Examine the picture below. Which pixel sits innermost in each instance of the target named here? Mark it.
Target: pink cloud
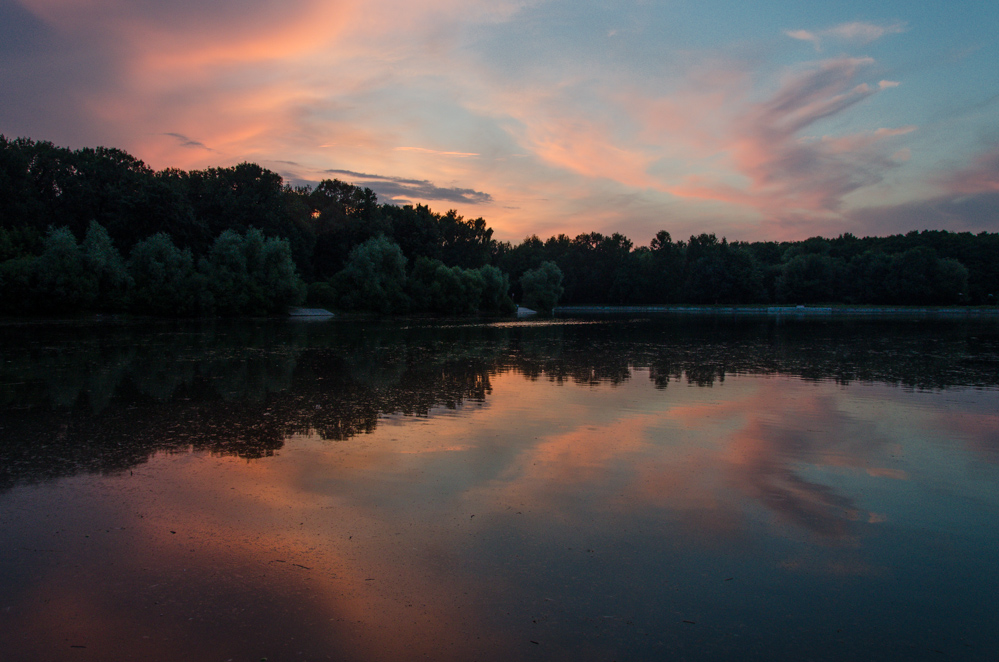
(586, 149)
(980, 176)
(756, 154)
(862, 141)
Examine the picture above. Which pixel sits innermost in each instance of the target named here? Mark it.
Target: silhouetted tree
(104, 263)
(62, 281)
(166, 282)
(542, 287)
(809, 278)
(374, 278)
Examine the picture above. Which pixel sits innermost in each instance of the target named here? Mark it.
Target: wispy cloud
(965, 199)
(184, 141)
(856, 32)
(425, 150)
(401, 190)
(958, 213)
(566, 130)
(981, 176)
(768, 162)
(588, 149)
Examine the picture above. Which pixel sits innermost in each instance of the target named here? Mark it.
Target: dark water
(658, 489)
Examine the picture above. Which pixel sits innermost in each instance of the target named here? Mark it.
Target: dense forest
(95, 229)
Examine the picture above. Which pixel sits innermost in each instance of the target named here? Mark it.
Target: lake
(657, 488)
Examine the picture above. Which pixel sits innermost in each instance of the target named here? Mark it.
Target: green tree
(517, 260)
(663, 265)
(716, 272)
(809, 278)
(105, 264)
(20, 241)
(273, 270)
(166, 282)
(467, 244)
(374, 278)
(438, 288)
(867, 274)
(919, 277)
(495, 290)
(542, 287)
(341, 217)
(228, 277)
(251, 275)
(62, 281)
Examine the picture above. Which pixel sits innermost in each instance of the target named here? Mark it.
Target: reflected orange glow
(370, 537)
(979, 430)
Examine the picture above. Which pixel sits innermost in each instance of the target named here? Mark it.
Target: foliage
(166, 282)
(321, 295)
(62, 282)
(17, 294)
(495, 291)
(250, 275)
(436, 287)
(19, 242)
(374, 278)
(918, 276)
(808, 278)
(114, 202)
(716, 272)
(542, 287)
(105, 264)
(272, 270)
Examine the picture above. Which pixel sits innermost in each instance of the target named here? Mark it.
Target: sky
(767, 120)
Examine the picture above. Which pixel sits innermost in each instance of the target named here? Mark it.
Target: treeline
(183, 233)
(241, 274)
(918, 268)
(191, 243)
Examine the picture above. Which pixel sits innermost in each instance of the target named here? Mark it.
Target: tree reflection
(103, 398)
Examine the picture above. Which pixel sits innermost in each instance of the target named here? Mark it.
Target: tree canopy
(239, 240)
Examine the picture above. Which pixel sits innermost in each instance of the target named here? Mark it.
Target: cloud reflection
(417, 538)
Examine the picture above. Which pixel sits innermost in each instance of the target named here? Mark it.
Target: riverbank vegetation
(96, 230)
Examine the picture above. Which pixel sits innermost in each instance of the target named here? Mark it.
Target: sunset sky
(768, 120)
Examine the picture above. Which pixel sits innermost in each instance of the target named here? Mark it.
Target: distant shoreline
(791, 311)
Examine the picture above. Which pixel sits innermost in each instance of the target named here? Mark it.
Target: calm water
(671, 489)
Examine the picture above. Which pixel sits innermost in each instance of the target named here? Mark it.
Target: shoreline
(790, 311)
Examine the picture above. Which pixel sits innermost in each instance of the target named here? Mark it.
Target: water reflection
(651, 490)
(104, 397)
